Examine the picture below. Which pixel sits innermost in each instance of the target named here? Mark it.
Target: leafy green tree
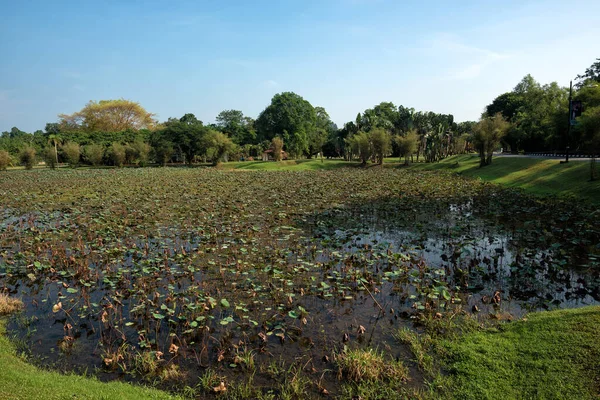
(290, 116)
(381, 144)
(186, 134)
(72, 153)
(49, 156)
(360, 145)
(116, 153)
(93, 154)
(237, 126)
(488, 133)
(407, 145)
(591, 74)
(142, 152)
(27, 157)
(218, 145)
(4, 160)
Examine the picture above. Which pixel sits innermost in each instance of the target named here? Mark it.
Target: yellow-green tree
(487, 135)
(108, 116)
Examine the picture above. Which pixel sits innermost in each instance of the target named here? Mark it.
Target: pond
(163, 275)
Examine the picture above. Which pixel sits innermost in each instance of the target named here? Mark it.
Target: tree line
(531, 117)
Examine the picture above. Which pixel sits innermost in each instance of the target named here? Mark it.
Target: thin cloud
(471, 60)
(271, 83)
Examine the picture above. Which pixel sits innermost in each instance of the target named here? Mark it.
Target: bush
(72, 153)
(27, 157)
(4, 160)
(117, 154)
(49, 155)
(163, 152)
(142, 152)
(277, 147)
(93, 154)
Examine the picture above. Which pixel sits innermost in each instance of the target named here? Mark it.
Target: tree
(488, 133)
(591, 74)
(277, 147)
(107, 116)
(93, 154)
(360, 144)
(49, 156)
(290, 116)
(186, 135)
(218, 145)
(117, 154)
(238, 127)
(381, 143)
(141, 152)
(407, 145)
(4, 160)
(27, 157)
(323, 130)
(72, 153)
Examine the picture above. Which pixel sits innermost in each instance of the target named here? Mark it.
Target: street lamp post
(569, 127)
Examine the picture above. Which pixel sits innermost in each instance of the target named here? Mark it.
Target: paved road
(559, 157)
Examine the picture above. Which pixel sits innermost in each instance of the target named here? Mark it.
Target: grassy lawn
(538, 176)
(20, 380)
(551, 355)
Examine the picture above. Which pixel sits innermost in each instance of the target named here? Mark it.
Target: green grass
(552, 355)
(537, 176)
(20, 380)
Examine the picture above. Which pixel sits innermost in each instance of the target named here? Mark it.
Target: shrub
(93, 154)
(4, 160)
(117, 154)
(142, 152)
(9, 305)
(72, 153)
(27, 157)
(49, 155)
(277, 147)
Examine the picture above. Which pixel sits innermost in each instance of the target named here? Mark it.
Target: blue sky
(202, 57)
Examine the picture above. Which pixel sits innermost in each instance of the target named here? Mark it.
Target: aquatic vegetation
(203, 275)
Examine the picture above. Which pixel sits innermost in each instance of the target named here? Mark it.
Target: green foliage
(291, 117)
(360, 145)
(237, 126)
(381, 143)
(5, 160)
(93, 154)
(141, 151)
(49, 156)
(117, 154)
(27, 157)
(72, 153)
(186, 135)
(487, 136)
(217, 145)
(407, 145)
(591, 75)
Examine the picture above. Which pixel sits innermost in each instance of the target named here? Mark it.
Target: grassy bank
(537, 176)
(551, 355)
(22, 381)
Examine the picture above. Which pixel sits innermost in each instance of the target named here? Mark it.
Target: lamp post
(569, 128)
